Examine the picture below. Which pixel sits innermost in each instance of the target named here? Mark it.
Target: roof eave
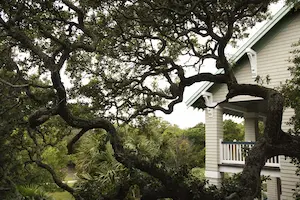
(241, 51)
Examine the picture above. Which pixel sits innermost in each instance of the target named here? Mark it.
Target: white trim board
(212, 174)
(265, 172)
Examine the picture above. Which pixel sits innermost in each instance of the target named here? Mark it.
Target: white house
(265, 54)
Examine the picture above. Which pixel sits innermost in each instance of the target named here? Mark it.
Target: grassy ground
(62, 196)
(70, 179)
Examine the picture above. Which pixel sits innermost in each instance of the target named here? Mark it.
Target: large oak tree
(93, 64)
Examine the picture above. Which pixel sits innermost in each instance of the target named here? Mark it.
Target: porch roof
(239, 108)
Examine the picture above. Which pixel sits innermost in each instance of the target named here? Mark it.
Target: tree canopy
(82, 65)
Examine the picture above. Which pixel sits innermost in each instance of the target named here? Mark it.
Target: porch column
(272, 189)
(213, 134)
(251, 126)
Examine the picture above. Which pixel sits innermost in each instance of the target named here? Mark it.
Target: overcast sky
(188, 117)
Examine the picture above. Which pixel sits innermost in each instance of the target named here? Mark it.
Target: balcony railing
(235, 152)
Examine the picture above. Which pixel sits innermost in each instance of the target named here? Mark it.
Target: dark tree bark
(120, 37)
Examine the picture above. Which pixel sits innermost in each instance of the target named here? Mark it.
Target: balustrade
(235, 153)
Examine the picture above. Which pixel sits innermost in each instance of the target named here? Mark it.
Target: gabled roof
(241, 51)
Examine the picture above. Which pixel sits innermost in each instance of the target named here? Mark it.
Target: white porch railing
(235, 152)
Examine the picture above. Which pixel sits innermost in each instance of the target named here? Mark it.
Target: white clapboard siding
(273, 52)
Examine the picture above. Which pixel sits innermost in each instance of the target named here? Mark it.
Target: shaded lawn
(70, 177)
(61, 196)
(70, 180)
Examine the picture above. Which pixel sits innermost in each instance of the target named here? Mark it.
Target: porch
(235, 153)
(229, 157)
(232, 159)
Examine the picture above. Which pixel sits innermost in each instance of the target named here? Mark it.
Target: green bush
(33, 192)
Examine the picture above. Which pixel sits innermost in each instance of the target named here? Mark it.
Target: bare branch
(71, 143)
(41, 116)
(55, 178)
(24, 85)
(215, 78)
(12, 85)
(78, 10)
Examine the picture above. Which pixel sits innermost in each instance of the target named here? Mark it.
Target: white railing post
(221, 152)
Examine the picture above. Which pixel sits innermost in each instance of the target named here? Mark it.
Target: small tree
(233, 131)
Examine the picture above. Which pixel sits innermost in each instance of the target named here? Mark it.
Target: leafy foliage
(291, 92)
(196, 136)
(233, 131)
(33, 192)
(72, 64)
(291, 88)
(152, 139)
